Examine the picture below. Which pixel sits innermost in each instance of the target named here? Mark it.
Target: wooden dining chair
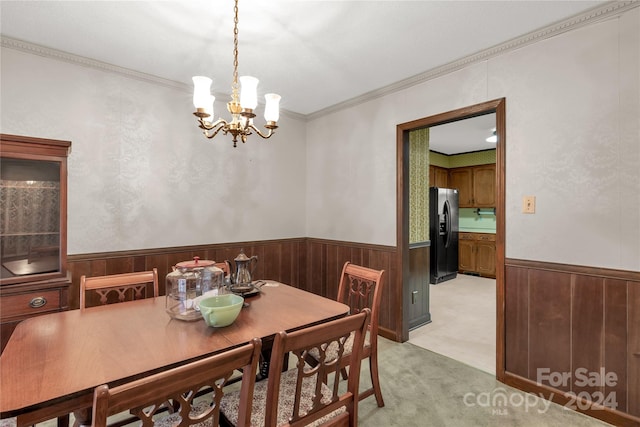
(225, 266)
(301, 396)
(143, 397)
(361, 287)
(126, 285)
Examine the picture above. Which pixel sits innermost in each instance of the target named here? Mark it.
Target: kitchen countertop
(476, 230)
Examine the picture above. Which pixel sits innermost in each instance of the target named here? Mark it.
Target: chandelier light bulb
(272, 107)
(201, 92)
(248, 92)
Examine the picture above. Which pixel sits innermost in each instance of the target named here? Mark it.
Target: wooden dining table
(52, 363)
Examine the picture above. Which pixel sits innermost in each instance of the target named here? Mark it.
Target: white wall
(141, 175)
(573, 141)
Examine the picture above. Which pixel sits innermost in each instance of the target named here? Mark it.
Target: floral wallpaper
(419, 185)
(484, 157)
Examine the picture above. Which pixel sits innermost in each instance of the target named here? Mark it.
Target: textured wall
(141, 175)
(573, 141)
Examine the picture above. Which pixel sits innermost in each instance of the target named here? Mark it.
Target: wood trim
(18, 145)
(501, 173)
(174, 249)
(564, 318)
(307, 263)
(497, 106)
(607, 273)
(402, 228)
(325, 259)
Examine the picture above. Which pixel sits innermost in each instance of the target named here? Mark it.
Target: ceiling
(463, 136)
(314, 53)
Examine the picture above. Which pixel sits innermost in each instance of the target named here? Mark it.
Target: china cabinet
(33, 225)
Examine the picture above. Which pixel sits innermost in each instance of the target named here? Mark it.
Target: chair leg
(373, 369)
(63, 420)
(344, 373)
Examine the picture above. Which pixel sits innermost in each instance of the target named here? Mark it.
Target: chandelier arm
(215, 127)
(257, 131)
(208, 125)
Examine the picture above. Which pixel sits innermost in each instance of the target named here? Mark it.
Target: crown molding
(47, 52)
(607, 11)
(60, 55)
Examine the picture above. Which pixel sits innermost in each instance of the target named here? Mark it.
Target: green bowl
(221, 310)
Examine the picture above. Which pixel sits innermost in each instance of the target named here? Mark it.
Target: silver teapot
(241, 276)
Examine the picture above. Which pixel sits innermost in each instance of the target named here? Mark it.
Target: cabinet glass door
(30, 197)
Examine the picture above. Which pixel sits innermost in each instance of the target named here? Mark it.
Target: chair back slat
(133, 284)
(181, 385)
(361, 287)
(310, 408)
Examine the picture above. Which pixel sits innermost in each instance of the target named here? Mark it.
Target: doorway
(404, 293)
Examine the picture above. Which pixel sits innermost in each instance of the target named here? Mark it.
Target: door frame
(497, 106)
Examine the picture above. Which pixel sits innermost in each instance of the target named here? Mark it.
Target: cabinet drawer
(466, 236)
(486, 237)
(22, 305)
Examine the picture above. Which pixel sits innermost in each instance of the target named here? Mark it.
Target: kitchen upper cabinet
(438, 177)
(484, 186)
(477, 253)
(476, 185)
(462, 180)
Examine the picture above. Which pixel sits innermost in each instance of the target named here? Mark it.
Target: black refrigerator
(443, 233)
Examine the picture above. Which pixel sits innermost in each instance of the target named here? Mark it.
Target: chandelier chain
(234, 86)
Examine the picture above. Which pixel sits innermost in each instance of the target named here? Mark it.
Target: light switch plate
(529, 204)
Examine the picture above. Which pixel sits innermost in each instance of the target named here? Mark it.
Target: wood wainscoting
(572, 333)
(310, 264)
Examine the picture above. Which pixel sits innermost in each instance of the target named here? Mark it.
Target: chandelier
(241, 105)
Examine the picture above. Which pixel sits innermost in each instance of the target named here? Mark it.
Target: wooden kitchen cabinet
(477, 254)
(466, 252)
(484, 186)
(438, 177)
(486, 255)
(33, 237)
(462, 180)
(476, 185)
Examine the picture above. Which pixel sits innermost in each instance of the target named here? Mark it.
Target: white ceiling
(463, 136)
(316, 54)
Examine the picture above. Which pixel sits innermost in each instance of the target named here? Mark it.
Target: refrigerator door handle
(447, 219)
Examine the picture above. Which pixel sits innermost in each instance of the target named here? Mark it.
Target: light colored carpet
(422, 388)
(463, 322)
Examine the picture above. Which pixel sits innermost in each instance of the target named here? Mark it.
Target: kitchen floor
(463, 322)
